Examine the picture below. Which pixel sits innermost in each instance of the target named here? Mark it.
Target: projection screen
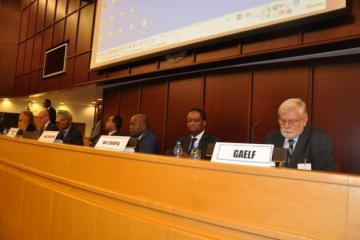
(126, 30)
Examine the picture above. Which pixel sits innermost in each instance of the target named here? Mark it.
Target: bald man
(46, 124)
(138, 128)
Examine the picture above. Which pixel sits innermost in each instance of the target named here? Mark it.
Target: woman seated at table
(26, 122)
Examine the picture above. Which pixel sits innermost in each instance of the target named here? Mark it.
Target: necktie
(290, 151)
(193, 140)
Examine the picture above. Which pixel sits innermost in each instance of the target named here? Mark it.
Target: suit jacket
(73, 137)
(51, 127)
(147, 143)
(313, 144)
(52, 114)
(203, 144)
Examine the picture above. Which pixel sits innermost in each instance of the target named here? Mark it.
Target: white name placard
(48, 136)
(12, 132)
(115, 143)
(243, 154)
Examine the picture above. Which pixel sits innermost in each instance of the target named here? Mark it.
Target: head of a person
(44, 117)
(65, 119)
(47, 103)
(113, 123)
(138, 125)
(25, 118)
(196, 121)
(293, 117)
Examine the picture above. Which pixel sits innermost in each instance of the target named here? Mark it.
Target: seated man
(46, 124)
(303, 142)
(196, 124)
(112, 125)
(68, 133)
(146, 141)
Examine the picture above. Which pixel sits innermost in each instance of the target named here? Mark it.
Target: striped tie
(290, 151)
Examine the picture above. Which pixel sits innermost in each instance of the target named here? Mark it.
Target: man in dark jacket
(138, 129)
(50, 109)
(46, 124)
(304, 144)
(68, 133)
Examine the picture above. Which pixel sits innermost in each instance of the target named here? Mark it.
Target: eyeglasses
(294, 122)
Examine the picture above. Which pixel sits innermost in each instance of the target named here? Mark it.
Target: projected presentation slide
(128, 29)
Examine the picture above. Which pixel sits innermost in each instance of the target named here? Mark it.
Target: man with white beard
(304, 143)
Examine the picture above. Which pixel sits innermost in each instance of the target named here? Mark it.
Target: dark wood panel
(153, 104)
(10, 26)
(218, 53)
(70, 32)
(17, 86)
(129, 105)
(183, 95)
(37, 51)
(73, 5)
(271, 86)
(61, 9)
(174, 62)
(32, 19)
(50, 12)
(28, 54)
(111, 102)
(33, 82)
(25, 84)
(336, 110)
(42, 83)
(24, 24)
(53, 83)
(25, 3)
(144, 67)
(47, 41)
(20, 59)
(40, 15)
(58, 36)
(85, 29)
(227, 103)
(68, 78)
(81, 68)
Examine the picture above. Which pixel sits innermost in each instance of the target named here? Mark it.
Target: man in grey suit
(138, 129)
(303, 143)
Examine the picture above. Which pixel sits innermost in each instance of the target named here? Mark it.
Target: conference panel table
(52, 191)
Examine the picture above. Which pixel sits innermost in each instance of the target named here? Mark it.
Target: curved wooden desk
(50, 191)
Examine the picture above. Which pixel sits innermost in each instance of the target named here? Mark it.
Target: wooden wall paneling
(34, 81)
(145, 67)
(335, 29)
(42, 83)
(153, 104)
(28, 54)
(10, 22)
(271, 86)
(129, 105)
(50, 12)
(70, 32)
(58, 36)
(53, 83)
(111, 102)
(47, 42)
(81, 68)
(68, 78)
(73, 219)
(85, 29)
(11, 192)
(335, 109)
(32, 19)
(25, 3)
(36, 56)
(17, 86)
(183, 95)
(118, 72)
(227, 103)
(25, 84)
(218, 53)
(36, 212)
(271, 42)
(73, 5)
(20, 58)
(61, 9)
(40, 15)
(187, 60)
(24, 24)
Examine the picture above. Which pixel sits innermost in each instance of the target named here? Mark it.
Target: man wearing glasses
(304, 144)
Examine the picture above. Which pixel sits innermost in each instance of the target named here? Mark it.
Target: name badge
(304, 166)
(244, 154)
(12, 132)
(48, 136)
(115, 143)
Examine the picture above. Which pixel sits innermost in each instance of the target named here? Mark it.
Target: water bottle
(178, 151)
(195, 153)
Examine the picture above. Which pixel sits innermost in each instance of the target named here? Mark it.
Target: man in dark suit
(304, 144)
(112, 125)
(50, 109)
(68, 133)
(196, 124)
(46, 124)
(138, 129)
